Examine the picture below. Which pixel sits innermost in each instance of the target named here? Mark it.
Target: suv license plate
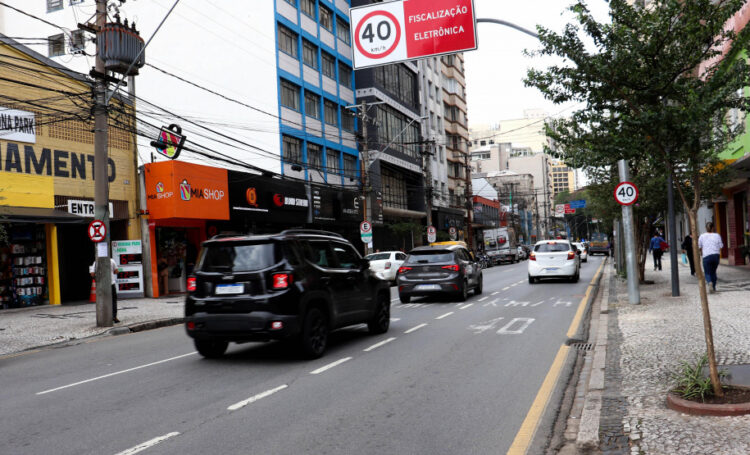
(427, 287)
(225, 289)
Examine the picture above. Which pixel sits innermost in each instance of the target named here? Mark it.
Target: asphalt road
(448, 378)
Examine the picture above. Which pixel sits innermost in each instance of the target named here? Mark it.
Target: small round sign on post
(365, 231)
(626, 193)
(97, 231)
(453, 233)
(431, 234)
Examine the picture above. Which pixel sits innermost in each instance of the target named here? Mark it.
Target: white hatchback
(554, 259)
(386, 263)
(582, 249)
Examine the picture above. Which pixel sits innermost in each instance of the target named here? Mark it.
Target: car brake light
(191, 284)
(403, 269)
(532, 257)
(191, 325)
(387, 265)
(571, 255)
(453, 267)
(282, 280)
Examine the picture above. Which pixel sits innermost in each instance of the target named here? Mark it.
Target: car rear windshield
(429, 257)
(551, 247)
(237, 257)
(378, 256)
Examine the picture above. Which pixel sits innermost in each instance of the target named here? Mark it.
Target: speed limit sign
(626, 193)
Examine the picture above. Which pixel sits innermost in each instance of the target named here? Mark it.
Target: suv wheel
(464, 292)
(478, 288)
(314, 337)
(211, 349)
(404, 298)
(381, 318)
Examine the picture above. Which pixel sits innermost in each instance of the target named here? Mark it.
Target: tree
(657, 83)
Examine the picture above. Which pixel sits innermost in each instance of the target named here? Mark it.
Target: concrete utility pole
(673, 241)
(101, 180)
(429, 190)
(634, 296)
(365, 166)
(536, 209)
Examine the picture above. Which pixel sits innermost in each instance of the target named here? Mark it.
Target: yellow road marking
(18, 354)
(582, 306)
(528, 427)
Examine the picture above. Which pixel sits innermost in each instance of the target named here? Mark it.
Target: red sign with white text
(390, 32)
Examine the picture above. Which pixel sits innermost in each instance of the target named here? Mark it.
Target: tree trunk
(708, 331)
(641, 229)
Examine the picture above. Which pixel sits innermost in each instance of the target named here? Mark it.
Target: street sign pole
(634, 296)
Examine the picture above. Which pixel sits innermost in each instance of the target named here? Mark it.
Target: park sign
(396, 31)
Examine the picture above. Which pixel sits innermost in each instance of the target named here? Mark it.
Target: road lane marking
(506, 288)
(444, 315)
(484, 326)
(466, 306)
(495, 293)
(505, 330)
(377, 345)
(415, 328)
(395, 300)
(514, 303)
(483, 299)
(538, 303)
(528, 427)
(116, 373)
(255, 398)
(395, 319)
(148, 444)
(582, 306)
(330, 365)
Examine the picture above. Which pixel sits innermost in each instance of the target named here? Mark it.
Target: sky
(495, 71)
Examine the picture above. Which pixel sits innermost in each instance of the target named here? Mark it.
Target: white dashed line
(255, 398)
(395, 319)
(467, 306)
(394, 300)
(495, 293)
(506, 288)
(415, 328)
(148, 444)
(377, 345)
(330, 365)
(444, 315)
(483, 299)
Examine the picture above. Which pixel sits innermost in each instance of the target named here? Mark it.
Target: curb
(141, 326)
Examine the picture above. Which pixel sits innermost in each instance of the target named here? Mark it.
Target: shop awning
(10, 214)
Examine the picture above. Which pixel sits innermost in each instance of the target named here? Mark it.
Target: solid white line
(445, 315)
(116, 373)
(330, 365)
(255, 398)
(496, 293)
(394, 300)
(483, 299)
(377, 345)
(147, 444)
(415, 328)
(468, 305)
(395, 319)
(506, 288)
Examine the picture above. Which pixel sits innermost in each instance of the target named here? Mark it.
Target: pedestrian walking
(656, 249)
(687, 248)
(710, 244)
(113, 264)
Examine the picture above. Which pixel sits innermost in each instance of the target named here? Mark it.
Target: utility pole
(673, 241)
(634, 296)
(536, 209)
(469, 205)
(101, 179)
(428, 178)
(365, 166)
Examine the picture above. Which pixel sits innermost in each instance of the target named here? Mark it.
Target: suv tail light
(571, 255)
(532, 256)
(191, 284)
(281, 280)
(388, 265)
(403, 269)
(453, 267)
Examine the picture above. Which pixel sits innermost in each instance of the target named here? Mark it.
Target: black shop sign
(330, 206)
(268, 199)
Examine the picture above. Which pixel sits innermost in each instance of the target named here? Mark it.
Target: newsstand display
(23, 267)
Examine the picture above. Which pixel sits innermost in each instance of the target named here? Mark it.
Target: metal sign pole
(634, 296)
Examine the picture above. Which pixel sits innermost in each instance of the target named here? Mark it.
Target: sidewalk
(31, 327)
(622, 406)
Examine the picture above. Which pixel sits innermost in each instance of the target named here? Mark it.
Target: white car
(554, 259)
(582, 249)
(521, 253)
(385, 264)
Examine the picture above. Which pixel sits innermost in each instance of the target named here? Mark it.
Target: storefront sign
(17, 125)
(128, 254)
(175, 189)
(57, 163)
(273, 200)
(85, 208)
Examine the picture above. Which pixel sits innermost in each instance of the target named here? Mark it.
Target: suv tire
(381, 318)
(478, 288)
(314, 337)
(463, 294)
(404, 298)
(211, 349)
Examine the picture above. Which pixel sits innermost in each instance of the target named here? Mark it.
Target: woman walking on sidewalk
(710, 244)
(687, 248)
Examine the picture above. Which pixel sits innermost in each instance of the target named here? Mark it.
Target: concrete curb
(141, 326)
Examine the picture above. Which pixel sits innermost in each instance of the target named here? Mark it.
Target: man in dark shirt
(687, 248)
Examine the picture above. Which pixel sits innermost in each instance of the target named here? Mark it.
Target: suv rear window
(237, 257)
(551, 247)
(429, 257)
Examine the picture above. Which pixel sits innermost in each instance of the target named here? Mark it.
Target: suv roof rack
(311, 231)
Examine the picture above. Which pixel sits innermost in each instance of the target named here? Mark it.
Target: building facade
(563, 177)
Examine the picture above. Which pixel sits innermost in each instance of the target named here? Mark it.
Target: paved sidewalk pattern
(649, 341)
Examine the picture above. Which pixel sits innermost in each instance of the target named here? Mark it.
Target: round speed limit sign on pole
(378, 36)
(626, 193)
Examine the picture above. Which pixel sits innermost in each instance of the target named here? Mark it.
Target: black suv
(437, 269)
(296, 284)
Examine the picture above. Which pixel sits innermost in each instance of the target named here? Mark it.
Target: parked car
(439, 270)
(554, 259)
(584, 253)
(521, 253)
(386, 263)
(297, 284)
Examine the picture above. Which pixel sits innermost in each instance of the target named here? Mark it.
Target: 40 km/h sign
(401, 30)
(626, 193)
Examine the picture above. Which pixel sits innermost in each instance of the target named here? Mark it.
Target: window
(331, 113)
(350, 166)
(314, 155)
(54, 5)
(56, 45)
(288, 41)
(310, 54)
(312, 105)
(292, 149)
(75, 2)
(348, 258)
(291, 2)
(319, 253)
(347, 120)
(342, 30)
(429, 89)
(394, 189)
(308, 7)
(77, 42)
(329, 65)
(326, 18)
(290, 95)
(345, 75)
(332, 161)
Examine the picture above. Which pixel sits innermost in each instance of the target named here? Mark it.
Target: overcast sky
(495, 72)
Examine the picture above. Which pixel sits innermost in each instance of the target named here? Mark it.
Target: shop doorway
(176, 253)
(76, 254)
